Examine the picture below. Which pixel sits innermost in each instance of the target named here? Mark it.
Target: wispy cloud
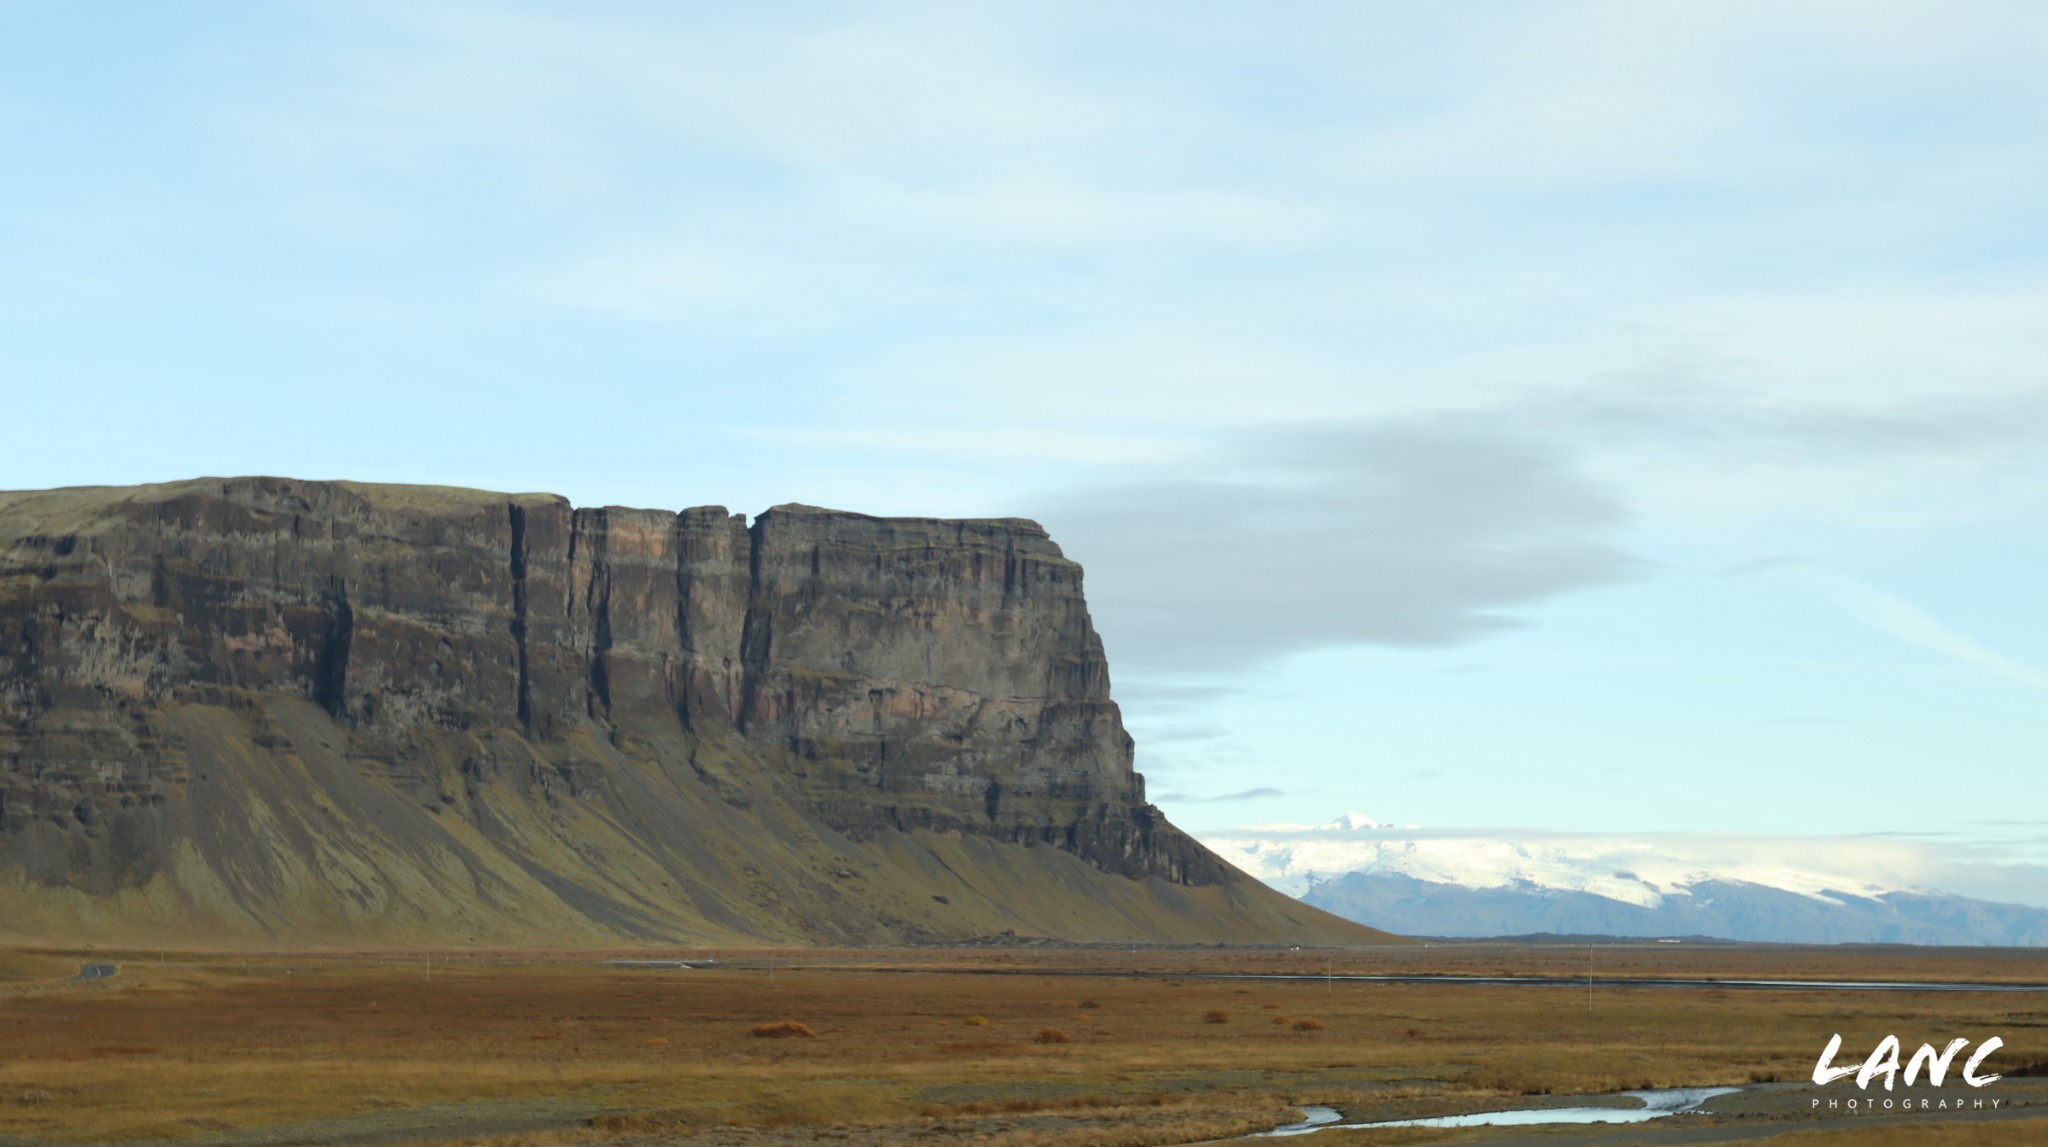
(1909, 623)
(1891, 615)
(1769, 564)
(1176, 733)
(1223, 798)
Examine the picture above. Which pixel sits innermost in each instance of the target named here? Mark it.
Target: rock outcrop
(279, 709)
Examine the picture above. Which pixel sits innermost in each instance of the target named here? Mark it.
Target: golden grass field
(1069, 1047)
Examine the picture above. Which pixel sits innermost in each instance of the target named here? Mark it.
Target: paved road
(1579, 982)
(1629, 982)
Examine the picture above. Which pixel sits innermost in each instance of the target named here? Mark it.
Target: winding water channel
(1656, 1105)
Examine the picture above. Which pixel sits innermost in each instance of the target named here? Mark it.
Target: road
(1579, 982)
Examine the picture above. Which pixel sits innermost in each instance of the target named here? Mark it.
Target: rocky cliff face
(283, 707)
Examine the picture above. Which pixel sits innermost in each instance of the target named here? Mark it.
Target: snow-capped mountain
(1406, 879)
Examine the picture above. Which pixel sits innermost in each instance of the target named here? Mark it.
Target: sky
(1575, 417)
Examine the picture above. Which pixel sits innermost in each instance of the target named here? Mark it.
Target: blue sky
(1569, 416)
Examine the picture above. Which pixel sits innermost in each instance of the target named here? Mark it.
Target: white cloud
(1559, 283)
(1909, 623)
(1893, 616)
(1292, 538)
(1636, 867)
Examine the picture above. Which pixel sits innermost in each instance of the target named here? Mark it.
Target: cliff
(270, 710)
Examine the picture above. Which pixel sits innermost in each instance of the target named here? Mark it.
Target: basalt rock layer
(283, 711)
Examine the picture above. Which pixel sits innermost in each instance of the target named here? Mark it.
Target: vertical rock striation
(944, 675)
(471, 657)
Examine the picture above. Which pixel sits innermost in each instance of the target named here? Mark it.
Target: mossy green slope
(256, 711)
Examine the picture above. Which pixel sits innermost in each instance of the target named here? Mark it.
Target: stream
(1656, 1105)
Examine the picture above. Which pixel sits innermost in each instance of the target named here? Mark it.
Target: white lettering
(1937, 1065)
(1983, 1050)
(1825, 1072)
(1884, 1060)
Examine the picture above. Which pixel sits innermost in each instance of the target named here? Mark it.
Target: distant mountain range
(1432, 885)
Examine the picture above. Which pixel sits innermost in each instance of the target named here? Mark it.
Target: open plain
(1026, 1045)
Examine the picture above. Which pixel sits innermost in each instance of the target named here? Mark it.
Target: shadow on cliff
(266, 710)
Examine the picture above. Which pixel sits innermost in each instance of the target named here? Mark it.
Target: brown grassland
(536, 1049)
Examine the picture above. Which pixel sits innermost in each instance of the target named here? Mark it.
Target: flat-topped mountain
(262, 709)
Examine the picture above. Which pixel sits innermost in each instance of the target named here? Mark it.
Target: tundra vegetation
(504, 1048)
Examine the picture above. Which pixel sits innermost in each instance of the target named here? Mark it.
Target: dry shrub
(977, 1021)
(1025, 1106)
(1088, 1005)
(651, 1121)
(34, 1097)
(1305, 1024)
(1216, 1017)
(1283, 1020)
(1121, 1122)
(1050, 1035)
(784, 1030)
(1271, 1007)
(1080, 1101)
